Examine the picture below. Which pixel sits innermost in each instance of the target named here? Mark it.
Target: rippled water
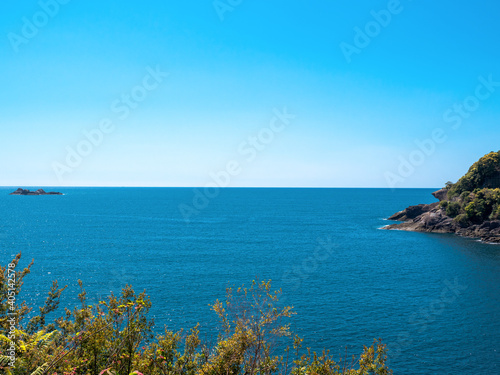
(434, 299)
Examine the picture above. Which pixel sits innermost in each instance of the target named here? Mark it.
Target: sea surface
(433, 299)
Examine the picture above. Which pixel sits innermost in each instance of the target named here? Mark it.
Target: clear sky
(247, 93)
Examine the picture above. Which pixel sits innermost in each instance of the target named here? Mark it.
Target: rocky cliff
(470, 208)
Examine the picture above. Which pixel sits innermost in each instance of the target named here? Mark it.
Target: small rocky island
(469, 208)
(37, 192)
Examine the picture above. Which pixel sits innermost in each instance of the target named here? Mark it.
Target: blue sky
(423, 73)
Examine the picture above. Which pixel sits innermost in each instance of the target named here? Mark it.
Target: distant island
(37, 192)
(469, 208)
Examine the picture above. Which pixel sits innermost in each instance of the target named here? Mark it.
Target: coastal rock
(432, 218)
(470, 207)
(489, 231)
(412, 212)
(441, 194)
(424, 218)
(21, 191)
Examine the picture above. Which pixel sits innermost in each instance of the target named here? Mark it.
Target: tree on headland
(475, 198)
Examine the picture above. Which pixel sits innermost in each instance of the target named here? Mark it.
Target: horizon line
(219, 187)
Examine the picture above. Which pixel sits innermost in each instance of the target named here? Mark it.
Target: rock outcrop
(413, 212)
(441, 195)
(37, 192)
(432, 218)
(470, 207)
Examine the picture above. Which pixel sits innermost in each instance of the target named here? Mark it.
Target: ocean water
(433, 299)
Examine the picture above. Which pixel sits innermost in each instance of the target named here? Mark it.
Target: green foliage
(475, 198)
(495, 212)
(482, 205)
(51, 304)
(115, 337)
(465, 196)
(475, 207)
(482, 174)
(4, 360)
(462, 220)
(453, 209)
(471, 211)
(40, 370)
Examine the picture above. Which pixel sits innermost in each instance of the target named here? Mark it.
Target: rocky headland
(37, 192)
(469, 208)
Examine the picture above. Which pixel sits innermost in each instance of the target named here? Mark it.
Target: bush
(453, 209)
(478, 206)
(481, 205)
(465, 196)
(471, 211)
(462, 220)
(482, 174)
(495, 212)
(115, 337)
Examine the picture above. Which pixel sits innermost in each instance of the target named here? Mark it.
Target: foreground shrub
(115, 337)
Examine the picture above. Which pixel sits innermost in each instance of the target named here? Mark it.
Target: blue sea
(433, 299)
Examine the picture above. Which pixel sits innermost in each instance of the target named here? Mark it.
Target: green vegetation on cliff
(475, 198)
(485, 173)
(474, 207)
